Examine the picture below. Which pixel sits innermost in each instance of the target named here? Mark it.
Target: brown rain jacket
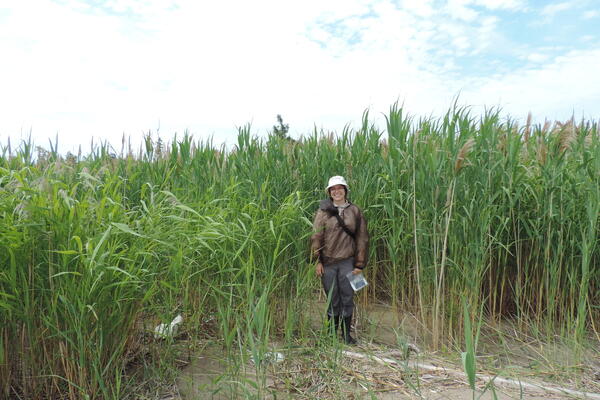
(331, 244)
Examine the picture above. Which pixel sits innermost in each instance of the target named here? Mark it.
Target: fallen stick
(506, 381)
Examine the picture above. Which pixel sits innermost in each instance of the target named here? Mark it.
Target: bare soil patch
(307, 374)
(380, 367)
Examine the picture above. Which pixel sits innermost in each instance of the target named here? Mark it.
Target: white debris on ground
(164, 331)
(273, 357)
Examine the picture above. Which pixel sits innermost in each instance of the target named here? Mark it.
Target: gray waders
(340, 295)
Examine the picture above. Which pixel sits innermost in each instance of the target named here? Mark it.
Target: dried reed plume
(527, 128)
(546, 126)
(541, 150)
(385, 151)
(417, 135)
(502, 139)
(462, 154)
(330, 138)
(588, 140)
(566, 134)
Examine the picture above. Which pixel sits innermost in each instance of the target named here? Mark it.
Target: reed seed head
(463, 154)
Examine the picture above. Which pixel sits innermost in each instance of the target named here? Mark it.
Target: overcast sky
(101, 68)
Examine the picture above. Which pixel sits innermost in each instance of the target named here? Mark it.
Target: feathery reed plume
(527, 128)
(330, 138)
(546, 126)
(384, 149)
(417, 134)
(587, 142)
(541, 151)
(462, 154)
(566, 134)
(591, 131)
(501, 146)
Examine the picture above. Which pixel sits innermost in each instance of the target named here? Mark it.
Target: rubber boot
(346, 329)
(337, 322)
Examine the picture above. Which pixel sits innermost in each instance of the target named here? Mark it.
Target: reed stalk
(97, 248)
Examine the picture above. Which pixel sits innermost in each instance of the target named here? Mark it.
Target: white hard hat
(336, 180)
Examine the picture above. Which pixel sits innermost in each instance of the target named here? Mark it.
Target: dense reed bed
(95, 248)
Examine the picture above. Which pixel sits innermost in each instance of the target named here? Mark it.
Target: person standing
(339, 246)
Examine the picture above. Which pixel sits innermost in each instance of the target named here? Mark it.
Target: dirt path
(353, 378)
(376, 369)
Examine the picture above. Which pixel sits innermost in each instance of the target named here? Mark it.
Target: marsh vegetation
(476, 223)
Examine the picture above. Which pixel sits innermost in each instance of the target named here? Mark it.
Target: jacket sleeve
(362, 243)
(317, 239)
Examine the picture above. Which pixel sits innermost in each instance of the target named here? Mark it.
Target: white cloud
(537, 57)
(459, 9)
(501, 4)
(209, 67)
(100, 81)
(555, 89)
(143, 8)
(486, 33)
(463, 9)
(552, 9)
(421, 8)
(591, 14)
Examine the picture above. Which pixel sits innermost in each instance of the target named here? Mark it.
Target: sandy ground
(375, 369)
(362, 379)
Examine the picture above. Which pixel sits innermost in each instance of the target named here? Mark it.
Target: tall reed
(96, 247)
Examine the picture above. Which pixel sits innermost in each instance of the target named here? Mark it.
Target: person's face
(338, 193)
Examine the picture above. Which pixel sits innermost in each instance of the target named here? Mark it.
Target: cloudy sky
(103, 68)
